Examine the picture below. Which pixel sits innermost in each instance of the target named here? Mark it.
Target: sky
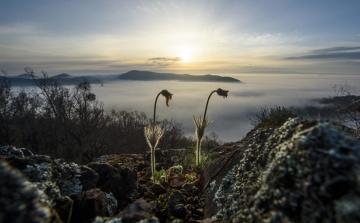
(187, 36)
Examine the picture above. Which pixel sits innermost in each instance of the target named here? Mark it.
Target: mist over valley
(230, 115)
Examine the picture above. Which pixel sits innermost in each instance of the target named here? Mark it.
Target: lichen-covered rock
(54, 181)
(53, 178)
(13, 151)
(301, 172)
(19, 201)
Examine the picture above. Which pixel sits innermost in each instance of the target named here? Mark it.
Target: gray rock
(12, 151)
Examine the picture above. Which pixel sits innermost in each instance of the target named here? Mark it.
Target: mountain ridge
(133, 75)
(154, 76)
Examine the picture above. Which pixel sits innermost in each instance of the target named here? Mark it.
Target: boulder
(304, 171)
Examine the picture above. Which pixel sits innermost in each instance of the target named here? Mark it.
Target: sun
(185, 53)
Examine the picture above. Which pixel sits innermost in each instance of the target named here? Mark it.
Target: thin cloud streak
(335, 49)
(348, 55)
(340, 52)
(163, 61)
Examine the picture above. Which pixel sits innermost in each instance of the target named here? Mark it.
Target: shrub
(272, 117)
(347, 109)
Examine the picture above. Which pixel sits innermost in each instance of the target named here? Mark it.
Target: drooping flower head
(222, 92)
(167, 95)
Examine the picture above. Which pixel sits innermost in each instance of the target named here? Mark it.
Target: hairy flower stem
(155, 109)
(152, 146)
(198, 144)
(207, 103)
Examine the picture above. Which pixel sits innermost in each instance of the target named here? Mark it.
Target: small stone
(190, 188)
(158, 189)
(179, 211)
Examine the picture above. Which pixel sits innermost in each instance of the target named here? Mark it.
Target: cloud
(341, 52)
(163, 61)
(335, 49)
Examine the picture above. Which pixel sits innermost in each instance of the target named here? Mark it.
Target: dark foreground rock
(20, 202)
(304, 171)
(301, 172)
(92, 203)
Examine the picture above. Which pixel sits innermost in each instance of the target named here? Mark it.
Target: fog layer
(229, 115)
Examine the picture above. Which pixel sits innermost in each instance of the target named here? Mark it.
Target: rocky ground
(301, 172)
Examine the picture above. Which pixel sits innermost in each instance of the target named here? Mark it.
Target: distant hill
(63, 75)
(25, 76)
(153, 76)
(67, 79)
(24, 80)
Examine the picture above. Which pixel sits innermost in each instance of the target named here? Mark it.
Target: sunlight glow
(186, 53)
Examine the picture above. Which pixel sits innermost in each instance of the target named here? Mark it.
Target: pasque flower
(202, 123)
(153, 132)
(167, 95)
(222, 92)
